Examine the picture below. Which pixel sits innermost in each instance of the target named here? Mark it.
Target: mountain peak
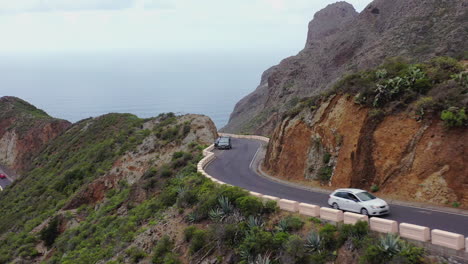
(329, 20)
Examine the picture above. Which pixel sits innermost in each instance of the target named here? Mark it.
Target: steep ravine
(407, 159)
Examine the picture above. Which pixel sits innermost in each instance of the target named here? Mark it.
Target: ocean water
(78, 86)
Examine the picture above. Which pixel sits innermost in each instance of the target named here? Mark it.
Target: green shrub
(390, 249)
(168, 196)
(162, 248)
(51, 232)
(188, 233)
(328, 235)
(325, 173)
(171, 258)
(374, 255)
(410, 254)
(374, 188)
(424, 105)
(166, 172)
(135, 254)
(326, 158)
(356, 233)
(290, 223)
(279, 238)
(230, 234)
(199, 240)
(257, 242)
(249, 205)
(177, 155)
(233, 193)
(454, 117)
(295, 249)
(315, 220)
(270, 207)
(151, 172)
(442, 68)
(395, 66)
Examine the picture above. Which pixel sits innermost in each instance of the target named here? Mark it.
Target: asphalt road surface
(233, 167)
(4, 182)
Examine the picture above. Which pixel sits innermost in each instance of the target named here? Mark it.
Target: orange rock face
(407, 159)
(24, 131)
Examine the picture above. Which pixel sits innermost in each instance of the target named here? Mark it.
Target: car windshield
(224, 140)
(365, 196)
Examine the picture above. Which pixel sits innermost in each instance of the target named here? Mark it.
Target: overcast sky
(156, 25)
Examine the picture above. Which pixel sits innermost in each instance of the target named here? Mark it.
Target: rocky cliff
(24, 131)
(383, 130)
(342, 41)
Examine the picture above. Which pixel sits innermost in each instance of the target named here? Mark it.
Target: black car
(223, 143)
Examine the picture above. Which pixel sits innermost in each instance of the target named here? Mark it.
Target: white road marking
(253, 159)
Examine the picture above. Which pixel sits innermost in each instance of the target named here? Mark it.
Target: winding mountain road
(234, 167)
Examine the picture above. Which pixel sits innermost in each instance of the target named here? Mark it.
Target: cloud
(23, 6)
(156, 25)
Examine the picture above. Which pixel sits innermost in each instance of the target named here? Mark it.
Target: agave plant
(192, 217)
(217, 215)
(266, 259)
(283, 225)
(180, 176)
(181, 189)
(313, 242)
(390, 244)
(225, 205)
(254, 222)
(245, 255)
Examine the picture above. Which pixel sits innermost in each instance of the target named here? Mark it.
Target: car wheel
(335, 206)
(364, 211)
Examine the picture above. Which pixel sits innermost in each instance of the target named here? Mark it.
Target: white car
(359, 201)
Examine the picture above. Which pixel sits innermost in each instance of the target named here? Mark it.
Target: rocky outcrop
(24, 131)
(407, 159)
(341, 41)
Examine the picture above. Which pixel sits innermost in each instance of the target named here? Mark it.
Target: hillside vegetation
(68, 173)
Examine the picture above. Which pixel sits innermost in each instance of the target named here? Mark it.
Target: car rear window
(224, 140)
(365, 196)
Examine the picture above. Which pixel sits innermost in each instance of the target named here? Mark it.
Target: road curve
(233, 167)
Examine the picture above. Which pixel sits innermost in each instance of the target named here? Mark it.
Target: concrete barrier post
(288, 205)
(352, 218)
(383, 225)
(269, 197)
(415, 232)
(447, 239)
(466, 244)
(256, 194)
(309, 209)
(331, 214)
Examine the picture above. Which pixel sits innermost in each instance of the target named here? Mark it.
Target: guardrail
(405, 230)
